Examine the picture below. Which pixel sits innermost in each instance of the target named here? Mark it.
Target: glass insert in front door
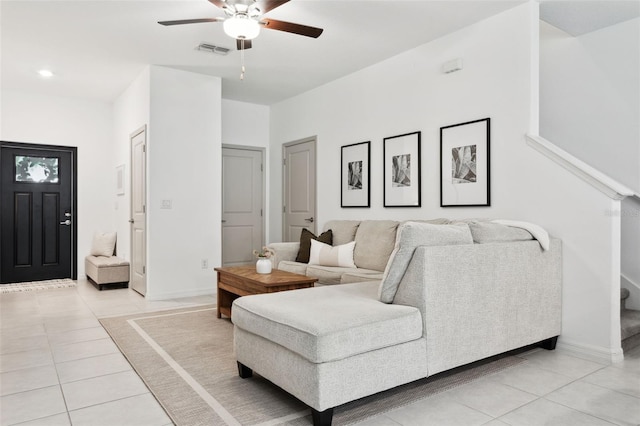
(36, 169)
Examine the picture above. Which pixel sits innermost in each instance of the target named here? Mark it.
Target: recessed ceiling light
(45, 73)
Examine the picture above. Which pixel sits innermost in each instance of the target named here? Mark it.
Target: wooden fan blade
(290, 27)
(219, 3)
(190, 21)
(267, 5)
(239, 46)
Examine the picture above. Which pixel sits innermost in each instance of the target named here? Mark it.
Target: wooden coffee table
(236, 281)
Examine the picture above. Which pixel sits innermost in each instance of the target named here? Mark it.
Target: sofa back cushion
(375, 240)
(344, 231)
(411, 235)
(489, 232)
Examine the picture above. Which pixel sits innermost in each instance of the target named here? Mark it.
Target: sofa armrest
(479, 300)
(284, 251)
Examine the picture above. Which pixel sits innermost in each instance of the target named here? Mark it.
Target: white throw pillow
(409, 236)
(104, 244)
(326, 255)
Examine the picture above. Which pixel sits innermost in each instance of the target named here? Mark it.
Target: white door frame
(142, 286)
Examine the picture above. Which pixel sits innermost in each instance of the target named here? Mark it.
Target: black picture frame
(355, 176)
(402, 170)
(465, 164)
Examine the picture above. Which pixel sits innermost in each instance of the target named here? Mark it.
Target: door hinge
(144, 270)
(284, 161)
(284, 209)
(144, 148)
(261, 168)
(260, 212)
(144, 208)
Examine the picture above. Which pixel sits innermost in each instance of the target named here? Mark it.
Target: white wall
(590, 97)
(87, 125)
(410, 93)
(499, 80)
(130, 113)
(183, 160)
(246, 124)
(590, 106)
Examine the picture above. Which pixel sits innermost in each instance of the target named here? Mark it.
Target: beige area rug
(36, 285)
(185, 357)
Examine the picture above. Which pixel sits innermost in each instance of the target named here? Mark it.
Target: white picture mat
(407, 195)
(355, 197)
(471, 193)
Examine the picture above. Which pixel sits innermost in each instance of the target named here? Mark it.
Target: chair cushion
(106, 262)
(324, 324)
(103, 244)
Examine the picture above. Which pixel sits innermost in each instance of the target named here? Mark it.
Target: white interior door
(299, 173)
(138, 219)
(242, 204)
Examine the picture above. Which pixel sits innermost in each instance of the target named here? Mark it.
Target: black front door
(38, 224)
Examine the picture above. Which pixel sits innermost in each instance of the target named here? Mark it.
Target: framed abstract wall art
(355, 178)
(465, 164)
(402, 178)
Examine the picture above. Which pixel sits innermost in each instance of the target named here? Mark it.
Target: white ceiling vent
(213, 49)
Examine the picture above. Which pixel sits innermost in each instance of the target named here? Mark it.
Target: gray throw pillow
(409, 236)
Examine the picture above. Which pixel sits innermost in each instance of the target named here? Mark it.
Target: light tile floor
(59, 367)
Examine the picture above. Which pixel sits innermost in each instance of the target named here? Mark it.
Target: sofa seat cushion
(324, 324)
(359, 276)
(332, 274)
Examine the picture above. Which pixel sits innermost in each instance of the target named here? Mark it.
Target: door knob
(130, 220)
(66, 222)
(309, 220)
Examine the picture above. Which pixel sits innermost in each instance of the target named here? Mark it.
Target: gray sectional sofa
(447, 297)
(375, 240)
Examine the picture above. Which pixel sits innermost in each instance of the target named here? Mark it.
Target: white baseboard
(590, 352)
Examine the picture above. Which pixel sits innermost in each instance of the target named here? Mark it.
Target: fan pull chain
(242, 59)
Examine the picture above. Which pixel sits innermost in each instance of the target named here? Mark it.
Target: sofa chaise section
(473, 301)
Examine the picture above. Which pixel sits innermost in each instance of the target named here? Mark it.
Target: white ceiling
(97, 48)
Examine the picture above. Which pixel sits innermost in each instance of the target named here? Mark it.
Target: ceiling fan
(245, 18)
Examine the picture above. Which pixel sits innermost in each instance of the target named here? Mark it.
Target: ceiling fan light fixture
(241, 26)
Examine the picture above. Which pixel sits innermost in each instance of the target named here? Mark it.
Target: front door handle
(66, 222)
(309, 220)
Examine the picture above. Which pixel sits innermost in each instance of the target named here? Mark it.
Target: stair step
(629, 323)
